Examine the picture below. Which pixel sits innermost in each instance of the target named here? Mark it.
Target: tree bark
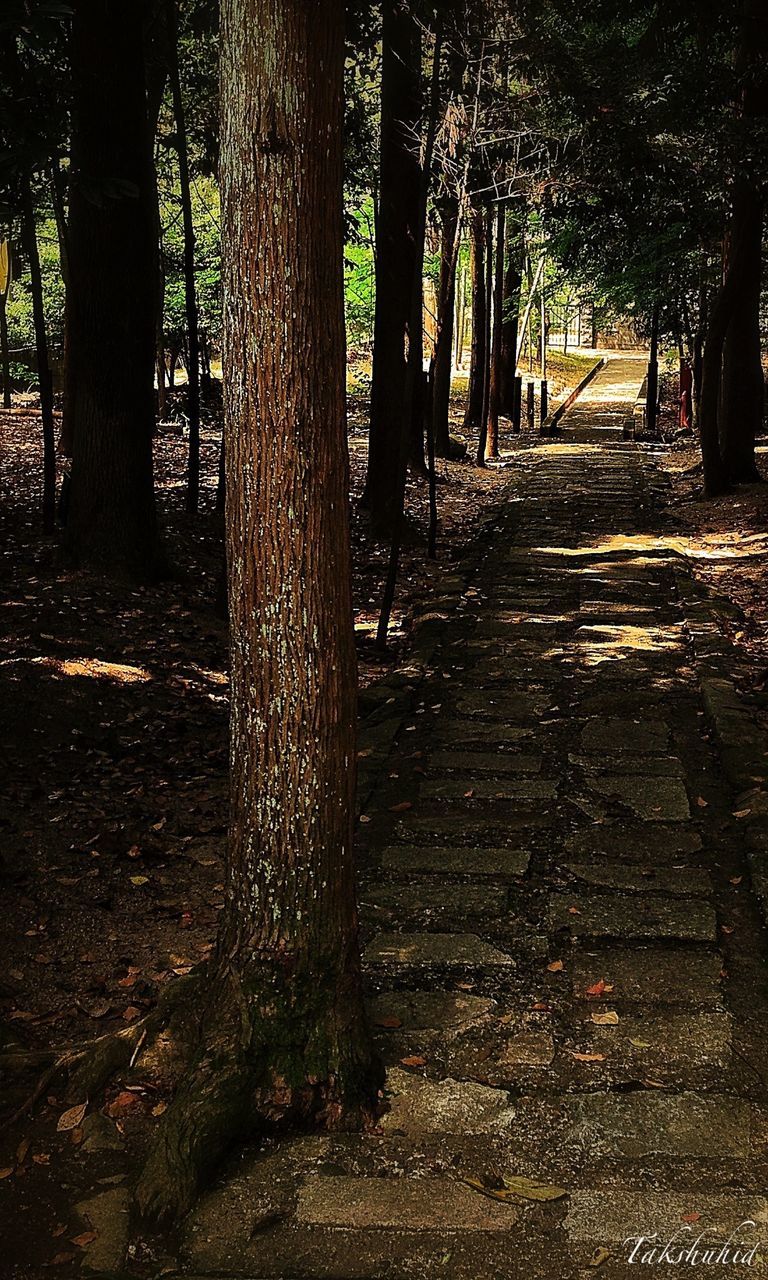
(43, 366)
(398, 215)
(513, 279)
(479, 308)
(5, 356)
(743, 382)
(494, 390)
(283, 1034)
(652, 383)
(111, 522)
(190, 288)
(481, 453)
(443, 358)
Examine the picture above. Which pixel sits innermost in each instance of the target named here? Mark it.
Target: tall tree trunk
(43, 365)
(479, 308)
(284, 1034)
(446, 301)
(482, 442)
(6, 272)
(396, 259)
(190, 289)
(513, 279)
(494, 391)
(652, 383)
(112, 522)
(743, 382)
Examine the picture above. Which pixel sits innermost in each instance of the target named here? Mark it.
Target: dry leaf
(701, 802)
(726, 928)
(86, 1238)
(71, 1118)
(556, 966)
(587, 1057)
(401, 807)
(599, 988)
(387, 1021)
(608, 1019)
(414, 1061)
(742, 813)
(517, 1188)
(639, 1044)
(59, 1259)
(654, 1084)
(138, 880)
(159, 1108)
(736, 879)
(691, 1217)
(600, 1256)
(21, 1150)
(6, 1173)
(574, 911)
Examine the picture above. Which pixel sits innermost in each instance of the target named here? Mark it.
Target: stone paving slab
(418, 1105)
(469, 733)
(612, 1214)
(612, 915)
(402, 1204)
(452, 901)
(454, 826)
(476, 789)
(666, 1042)
(646, 766)
(449, 860)
(651, 975)
(495, 763)
(635, 842)
(432, 1010)
(438, 950)
(683, 1126)
(652, 799)
(681, 881)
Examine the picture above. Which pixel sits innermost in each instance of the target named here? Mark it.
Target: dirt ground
(114, 783)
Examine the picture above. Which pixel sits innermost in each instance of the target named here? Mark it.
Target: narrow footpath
(564, 953)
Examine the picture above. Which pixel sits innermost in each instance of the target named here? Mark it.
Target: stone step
(434, 950)
(612, 915)
(682, 881)
(469, 790)
(496, 763)
(684, 1126)
(652, 799)
(684, 1042)
(419, 1106)
(650, 975)
(451, 901)
(400, 1204)
(454, 861)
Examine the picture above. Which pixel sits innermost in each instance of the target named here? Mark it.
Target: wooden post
(543, 360)
(531, 407)
(517, 402)
(652, 394)
(544, 402)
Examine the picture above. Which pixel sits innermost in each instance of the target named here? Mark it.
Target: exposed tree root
(89, 1068)
(249, 1077)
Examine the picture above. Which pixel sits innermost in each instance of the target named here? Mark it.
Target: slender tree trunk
(396, 258)
(479, 309)
(494, 391)
(513, 280)
(446, 301)
(284, 1034)
(652, 386)
(112, 522)
(5, 358)
(43, 365)
(743, 382)
(715, 475)
(481, 453)
(190, 289)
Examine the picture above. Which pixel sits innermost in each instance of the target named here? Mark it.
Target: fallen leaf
(401, 807)
(388, 1020)
(556, 966)
(21, 1150)
(6, 1173)
(599, 988)
(574, 911)
(654, 1084)
(414, 1061)
(159, 1108)
(701, 802)
(639, 1044)
(364, 817)
(587, 1057)
(691, 1217)
(742, 813)
(42, 1157)
(59, 1259)
(736, 879)
(726, 928)
(71, 1118)
(608, 1019)
(532, 1189)
(123, 1102)
(86, 1238)
(139, 880)
(600, 1256)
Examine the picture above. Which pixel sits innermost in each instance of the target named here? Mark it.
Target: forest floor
(114, 814)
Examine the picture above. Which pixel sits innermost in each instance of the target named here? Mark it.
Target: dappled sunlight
(90, 668)
(721, 546)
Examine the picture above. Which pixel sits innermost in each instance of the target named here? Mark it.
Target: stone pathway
(564, 957)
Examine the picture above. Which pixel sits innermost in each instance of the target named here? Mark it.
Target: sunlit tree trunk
(446, 300)
(513, 279)
(283, 1032)
(479, 313)
(494, 390)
